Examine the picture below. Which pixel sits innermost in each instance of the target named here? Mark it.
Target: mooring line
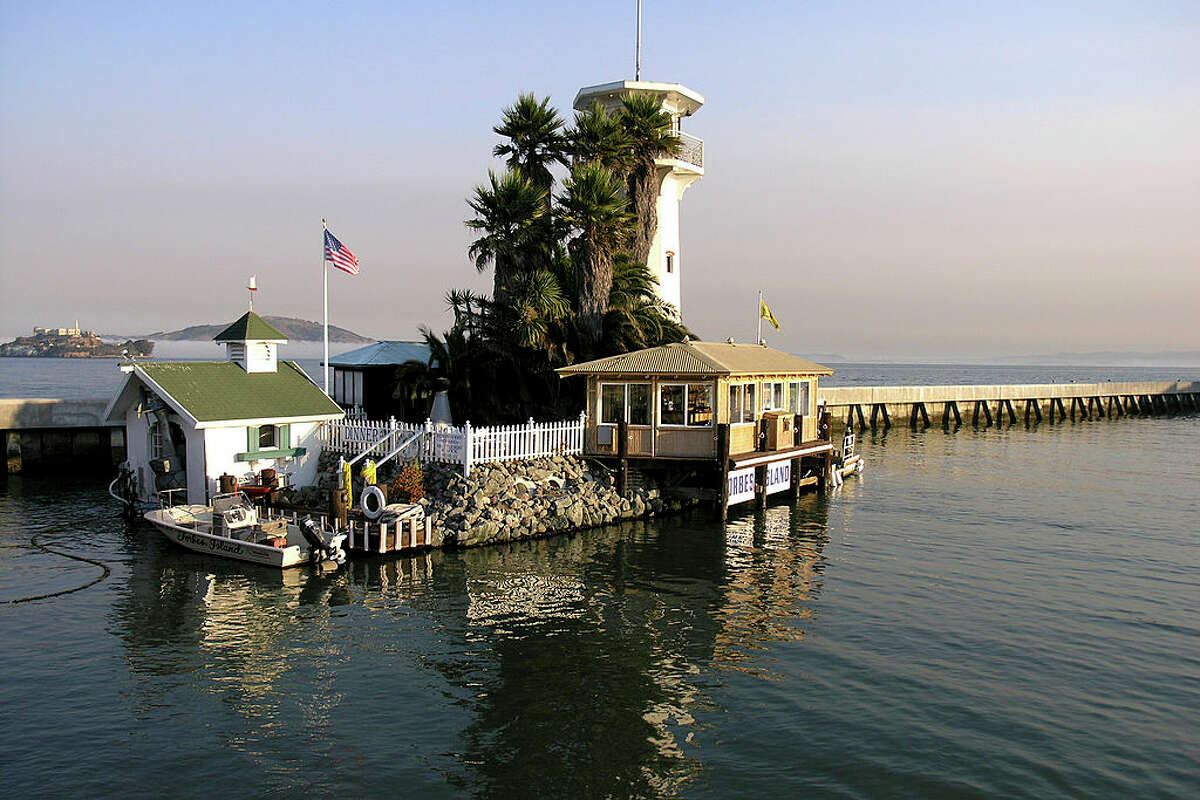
(33, 541)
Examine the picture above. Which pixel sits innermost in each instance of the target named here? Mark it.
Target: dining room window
(741, 402)
(625, 401)
(799, 398)
(772, 396)
(685, 404)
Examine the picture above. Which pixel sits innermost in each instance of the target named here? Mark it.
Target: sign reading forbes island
(741, 485)
(741, 481)
(779, 476)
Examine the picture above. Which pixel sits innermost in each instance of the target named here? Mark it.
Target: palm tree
(508, 211)
(636, 316)
(535, 140)
(600, 136)
(466, 306)
(594, 207)
(648, 127)
(537, 302)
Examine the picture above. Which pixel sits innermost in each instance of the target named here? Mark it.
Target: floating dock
(377, 538)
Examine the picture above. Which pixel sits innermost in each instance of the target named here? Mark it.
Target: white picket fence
(383, 440)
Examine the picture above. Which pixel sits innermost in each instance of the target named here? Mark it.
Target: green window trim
(258, 455)
(282, 448)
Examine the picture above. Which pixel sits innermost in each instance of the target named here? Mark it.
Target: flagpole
(759, 317)
(325, 295)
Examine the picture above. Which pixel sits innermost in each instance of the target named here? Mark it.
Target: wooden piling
(723, 461)
(623, 457)
(951, 407)
(919, 409)
(987, 413)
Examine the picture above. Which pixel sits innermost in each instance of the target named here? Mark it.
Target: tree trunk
(644, 184)
(594, 270)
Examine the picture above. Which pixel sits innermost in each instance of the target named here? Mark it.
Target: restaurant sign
(741, 481)
(741, 485)
(779, 476)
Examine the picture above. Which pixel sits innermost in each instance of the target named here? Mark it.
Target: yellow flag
(766, 314)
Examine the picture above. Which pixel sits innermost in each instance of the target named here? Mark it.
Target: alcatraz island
(72, 343)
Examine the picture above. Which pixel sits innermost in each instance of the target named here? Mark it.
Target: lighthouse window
(266, 437)
(670, 261)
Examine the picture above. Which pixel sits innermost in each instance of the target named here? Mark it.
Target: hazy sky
(901, 178)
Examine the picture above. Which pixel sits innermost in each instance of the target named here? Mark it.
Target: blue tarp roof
(382, 354)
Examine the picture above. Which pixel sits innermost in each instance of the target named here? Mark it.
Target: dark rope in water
(33, 540)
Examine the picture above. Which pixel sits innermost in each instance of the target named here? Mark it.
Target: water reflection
(587, 662)
(774, 568)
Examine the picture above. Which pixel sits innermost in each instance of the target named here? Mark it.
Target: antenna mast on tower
(637, 64)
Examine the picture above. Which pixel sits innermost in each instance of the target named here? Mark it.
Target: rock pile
(527, 499)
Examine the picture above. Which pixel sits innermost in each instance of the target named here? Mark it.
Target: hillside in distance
(296, 330)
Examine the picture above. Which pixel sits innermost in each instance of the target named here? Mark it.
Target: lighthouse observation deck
(691, 153)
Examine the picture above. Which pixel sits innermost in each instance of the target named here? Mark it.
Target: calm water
(983, 613)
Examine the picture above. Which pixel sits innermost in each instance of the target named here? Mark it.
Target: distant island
(296, 330)
(72, 343)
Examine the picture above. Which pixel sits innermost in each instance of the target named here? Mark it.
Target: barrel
(229, 483)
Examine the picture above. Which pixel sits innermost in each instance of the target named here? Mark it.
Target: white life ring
(372, 502)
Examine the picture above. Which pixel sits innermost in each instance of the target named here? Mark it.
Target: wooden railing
(466, 445)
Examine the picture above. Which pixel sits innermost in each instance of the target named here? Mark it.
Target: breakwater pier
(44, 433)
(921, 406)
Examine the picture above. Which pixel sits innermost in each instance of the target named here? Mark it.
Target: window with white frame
(638, 403)
(799, 397)
(741, 402)
(685, 404)
(625, 401)
(157, 440)
(772, 396)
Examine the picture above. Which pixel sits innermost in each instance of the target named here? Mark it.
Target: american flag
(340, 255)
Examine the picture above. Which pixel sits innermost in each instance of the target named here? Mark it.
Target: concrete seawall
(871, 406)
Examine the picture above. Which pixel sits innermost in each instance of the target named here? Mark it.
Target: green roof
(220, 390)
(249, 326)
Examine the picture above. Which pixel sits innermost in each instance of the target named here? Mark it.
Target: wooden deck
(754, 458)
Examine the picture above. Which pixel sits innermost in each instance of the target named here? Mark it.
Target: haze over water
(983, 613)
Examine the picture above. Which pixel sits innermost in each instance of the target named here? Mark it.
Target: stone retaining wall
(528, 499)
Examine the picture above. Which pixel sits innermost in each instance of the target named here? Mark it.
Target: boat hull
(203, 542)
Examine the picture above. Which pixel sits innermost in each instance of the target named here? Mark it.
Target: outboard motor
(321, 549)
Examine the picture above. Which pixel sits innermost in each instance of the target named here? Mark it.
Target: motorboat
(232, 527)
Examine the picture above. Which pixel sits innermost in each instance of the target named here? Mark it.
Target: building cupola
(251, 343)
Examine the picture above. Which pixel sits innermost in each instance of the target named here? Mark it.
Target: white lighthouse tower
(675, 174)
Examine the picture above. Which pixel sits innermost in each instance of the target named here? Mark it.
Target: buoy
(372, 502)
